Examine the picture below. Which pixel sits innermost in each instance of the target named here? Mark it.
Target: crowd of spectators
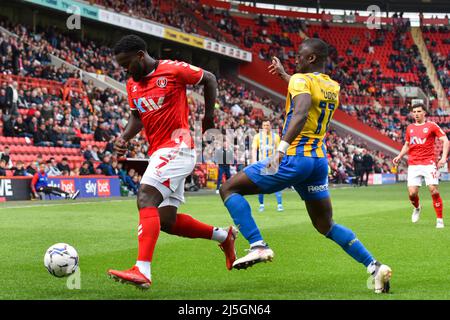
(165, 12)
(439, 52)
(342, 165)
(51, 122)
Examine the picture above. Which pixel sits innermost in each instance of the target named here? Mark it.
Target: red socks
(414, 201)
(437, 204)
(186, 226)
(148, 232)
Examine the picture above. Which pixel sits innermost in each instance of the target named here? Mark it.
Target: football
(61, 260)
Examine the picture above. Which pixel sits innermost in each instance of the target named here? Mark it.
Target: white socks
(144, 268)
(259, 243)
(219, 234)
(372, 267)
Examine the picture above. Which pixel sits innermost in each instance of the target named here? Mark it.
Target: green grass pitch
(306, 264)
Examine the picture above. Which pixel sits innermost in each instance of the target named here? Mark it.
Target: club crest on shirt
(425, 130)
(161, 82)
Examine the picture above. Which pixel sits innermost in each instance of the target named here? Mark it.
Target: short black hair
(418, 105)
(130, 43)
(320, 48)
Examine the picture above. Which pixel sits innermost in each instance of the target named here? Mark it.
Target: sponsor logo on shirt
(417, 140)
(148, 104)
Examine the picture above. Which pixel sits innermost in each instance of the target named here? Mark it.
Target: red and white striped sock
(148, 233)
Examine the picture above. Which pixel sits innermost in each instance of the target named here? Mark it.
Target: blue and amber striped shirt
(324, 101)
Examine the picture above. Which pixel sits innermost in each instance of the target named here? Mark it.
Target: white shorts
(167, 170)
(416, 172)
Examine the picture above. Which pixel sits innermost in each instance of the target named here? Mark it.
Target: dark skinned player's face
(304, 58)
(133, 63)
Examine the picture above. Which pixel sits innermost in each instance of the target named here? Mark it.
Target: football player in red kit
(157, 98)
(419, 145)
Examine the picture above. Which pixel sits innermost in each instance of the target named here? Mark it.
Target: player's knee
(167, 223)
(413, 194)
(225, 190)
(146, 199)
(322, 225)
(434, 191)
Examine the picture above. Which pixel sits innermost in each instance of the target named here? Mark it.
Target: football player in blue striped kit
(301, 162)
(264, 145)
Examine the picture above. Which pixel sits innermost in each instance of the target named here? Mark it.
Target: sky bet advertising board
(101, 187)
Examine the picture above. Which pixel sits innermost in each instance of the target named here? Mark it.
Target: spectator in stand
(39, 184)
(91, 153)
(105, 167)
(101, 133)
(52, 168)
(6, 156)
(64, 167)
(127, 179)
(86, 169)
(19, 170)
(32, 169)
(2, 168)
(19, 127)
(115, 168)
(41, 137)
(12, 98)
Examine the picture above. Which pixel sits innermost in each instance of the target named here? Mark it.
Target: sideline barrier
(19, 188)
(382, 178)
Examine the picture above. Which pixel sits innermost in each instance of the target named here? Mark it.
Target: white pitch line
(60, 204)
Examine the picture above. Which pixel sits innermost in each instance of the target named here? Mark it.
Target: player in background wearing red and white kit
(157, 98)
(419, 144)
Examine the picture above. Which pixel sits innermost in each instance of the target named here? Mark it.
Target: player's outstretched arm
(445, 150)
(276, 68)
(404, 151)
(210, 82)
(134, 126)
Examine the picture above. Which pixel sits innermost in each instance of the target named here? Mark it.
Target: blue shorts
(308, 175)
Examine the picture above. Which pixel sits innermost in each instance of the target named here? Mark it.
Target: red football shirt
(421, 140)
(160, 98)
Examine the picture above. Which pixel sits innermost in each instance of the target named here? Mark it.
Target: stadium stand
(90, 119)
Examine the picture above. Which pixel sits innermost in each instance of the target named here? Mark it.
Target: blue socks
(278, 195)
(348, 241)
(242, 216)
(261, 198)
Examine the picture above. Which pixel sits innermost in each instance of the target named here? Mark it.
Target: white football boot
(381, 276)
(416, 214)
(280, 208)
(255, 255)
(261, 208)
(439, 223)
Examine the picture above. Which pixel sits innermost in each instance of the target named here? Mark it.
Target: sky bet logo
(101, 188)
(315, 189)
